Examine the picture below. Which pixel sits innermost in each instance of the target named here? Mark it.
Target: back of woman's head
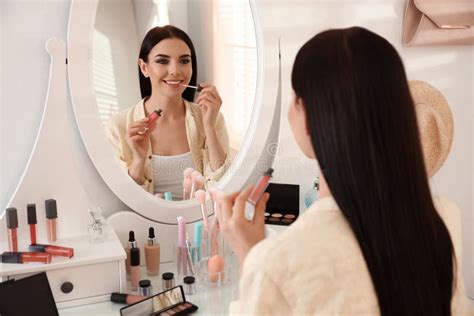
(364, 134)
(153, 37)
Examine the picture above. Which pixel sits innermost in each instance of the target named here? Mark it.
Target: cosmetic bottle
(31, 212)
(189, 285)
(312, 195)
(132, 243)
(168, 280)
(25, 257)
(12, 225)
(152, 254)
(97, 225)
(257, 194)
(51, 219)
(145, 288)
(134, 267)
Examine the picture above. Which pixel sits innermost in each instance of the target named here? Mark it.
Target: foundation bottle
(134, 268)
(152, 254)
(132, 243)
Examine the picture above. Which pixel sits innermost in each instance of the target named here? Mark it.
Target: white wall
(26, 25)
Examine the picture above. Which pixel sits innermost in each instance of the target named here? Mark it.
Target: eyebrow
(166, 56)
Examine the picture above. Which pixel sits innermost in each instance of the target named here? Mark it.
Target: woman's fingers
(239, 204)
(261, 207)
(225, 209)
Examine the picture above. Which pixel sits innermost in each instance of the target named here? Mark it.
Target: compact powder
(287, 220)
(187, 305)
(267, 214)
(181, 307)
(289, 216)
(273, 219)
(277, 215)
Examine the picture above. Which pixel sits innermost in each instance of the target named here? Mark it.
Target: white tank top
(168, 173)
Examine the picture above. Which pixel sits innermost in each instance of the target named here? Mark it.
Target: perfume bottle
(97, 225)
(313, 194)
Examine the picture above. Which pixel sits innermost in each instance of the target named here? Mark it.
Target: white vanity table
(210, 300)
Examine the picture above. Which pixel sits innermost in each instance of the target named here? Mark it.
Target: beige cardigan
(316, 267)
(119, 123)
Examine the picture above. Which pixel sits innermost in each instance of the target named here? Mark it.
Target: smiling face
(169, 66)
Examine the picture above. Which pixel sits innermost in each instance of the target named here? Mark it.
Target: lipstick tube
(25, 257)
(124, 298)
(156, 114)
(57, 251)
(51, 219)
(12, 225)
(31, 209)
(257, 194)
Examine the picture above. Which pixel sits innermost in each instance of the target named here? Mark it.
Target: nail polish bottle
(134, 267)
(12, 225)
(152, 254)
(51, 219)
(132, 243)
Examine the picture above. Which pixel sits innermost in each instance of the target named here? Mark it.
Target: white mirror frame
(256, 153)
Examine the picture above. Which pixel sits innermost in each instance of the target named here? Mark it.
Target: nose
(173, 69)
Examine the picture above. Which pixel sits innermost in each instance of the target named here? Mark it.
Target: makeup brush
(187, 184)
(198, 88)
(187, 173)
(201, 197)
(194, 177)
(218, 196)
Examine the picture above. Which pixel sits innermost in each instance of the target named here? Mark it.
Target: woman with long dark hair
(376, 242)
(188, 135)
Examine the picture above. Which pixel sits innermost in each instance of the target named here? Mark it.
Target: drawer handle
(67, 287)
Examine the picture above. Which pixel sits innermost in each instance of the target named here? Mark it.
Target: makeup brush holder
(187, 261)
(214, 267)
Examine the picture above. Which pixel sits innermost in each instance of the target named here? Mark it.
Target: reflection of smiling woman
(187, 135)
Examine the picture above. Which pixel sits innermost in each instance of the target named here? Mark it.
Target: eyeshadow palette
(283, 207)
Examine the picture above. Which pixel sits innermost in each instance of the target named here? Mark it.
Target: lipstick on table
(12, 225)
(257, 194)
(25, 257)
(123, 298)
(31, 208)
(52, 250)
(51, 219)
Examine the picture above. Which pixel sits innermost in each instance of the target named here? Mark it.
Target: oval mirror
(104, 39)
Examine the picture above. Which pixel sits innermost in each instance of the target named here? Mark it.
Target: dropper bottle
(132, 243)
(152, 254)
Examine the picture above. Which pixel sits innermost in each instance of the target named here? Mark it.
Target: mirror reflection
(174, 118)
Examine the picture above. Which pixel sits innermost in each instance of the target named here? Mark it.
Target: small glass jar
(145, 288)
(168, 280)
(189, 285)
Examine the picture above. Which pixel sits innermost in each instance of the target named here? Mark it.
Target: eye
(162, 61)
(185, 61)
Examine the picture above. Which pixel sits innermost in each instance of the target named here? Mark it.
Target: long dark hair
(365, 136)
(153, 37)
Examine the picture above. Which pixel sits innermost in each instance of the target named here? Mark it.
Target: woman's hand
(210, 103)
(240, 233)
(138, 138)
